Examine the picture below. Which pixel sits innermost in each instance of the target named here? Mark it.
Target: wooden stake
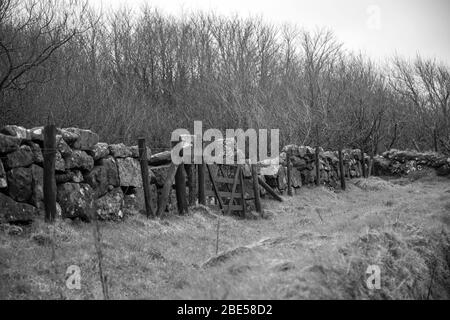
(144, 173)
(190, 182)
(256, 189)
(374, 168)
(363, 164)
(289, 172)
(180, 188)
(201, 183)
(341, 170)
(180, 185)
(49, 172)
(99, 251)
(317, 166)
(244, 203)
(371, 164)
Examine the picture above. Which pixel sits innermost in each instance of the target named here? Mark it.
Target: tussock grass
(373, 184)
(317, 244)
(428, 174)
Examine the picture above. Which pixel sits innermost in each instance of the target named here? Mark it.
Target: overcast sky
(379, 28)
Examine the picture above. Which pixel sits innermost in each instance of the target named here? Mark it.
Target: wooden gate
(230, 192)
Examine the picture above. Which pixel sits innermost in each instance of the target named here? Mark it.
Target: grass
(315, 245)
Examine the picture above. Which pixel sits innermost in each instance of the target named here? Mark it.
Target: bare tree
(426, 85)
(321, 50)
(117, 72)
(30, 32)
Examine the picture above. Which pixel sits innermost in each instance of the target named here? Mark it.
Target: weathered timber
(233, 189)
(164, 197)
(316, 159)
(160, 158)
(49, 187)
(269, 189)
(145, 177)
(341, 170)
(256, 189)
(216, 190)
(289, 172)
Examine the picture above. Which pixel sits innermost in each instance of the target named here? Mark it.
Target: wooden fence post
(144, 173)
(244, 203)
(190, 182)
(180, 185)
(49, 172)
(201, 170)
(374, 167)
(201, 183)
(317, 166)
(256, 189)
(341, 169)
(363, 164)
(371, 161)
(180, 188)
(289, 172)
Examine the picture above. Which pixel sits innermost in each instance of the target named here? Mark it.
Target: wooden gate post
(256, 189)
(49, 172)
(180, 188)
(144, 173)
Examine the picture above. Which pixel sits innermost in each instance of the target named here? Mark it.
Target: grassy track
(317, 244)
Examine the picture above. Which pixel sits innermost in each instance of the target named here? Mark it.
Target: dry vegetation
(315, 245)
(137, 72)
(130, 73)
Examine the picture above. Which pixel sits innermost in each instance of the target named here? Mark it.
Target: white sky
(379, 28)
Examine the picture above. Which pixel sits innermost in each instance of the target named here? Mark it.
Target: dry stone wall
(91, 176)
(390, 163)
(94, 177)
(397, 162)
(304, 167)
